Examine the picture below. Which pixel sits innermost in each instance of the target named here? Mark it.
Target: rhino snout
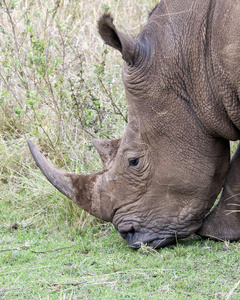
(135, 237)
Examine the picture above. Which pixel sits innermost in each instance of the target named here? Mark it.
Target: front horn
(84, 190)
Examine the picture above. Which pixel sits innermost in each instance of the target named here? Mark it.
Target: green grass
(60, 86)
(46, 263)
(46, 254)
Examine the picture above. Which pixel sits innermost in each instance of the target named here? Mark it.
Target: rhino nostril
(130, 234)
(127, 234)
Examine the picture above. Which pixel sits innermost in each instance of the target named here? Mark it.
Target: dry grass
(58, 80)
(59, 86)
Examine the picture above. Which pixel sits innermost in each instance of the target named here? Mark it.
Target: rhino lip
(154, 242)
(161, 243)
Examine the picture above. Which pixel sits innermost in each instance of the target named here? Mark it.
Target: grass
(65, 263)
(60, 87)
(97, 264)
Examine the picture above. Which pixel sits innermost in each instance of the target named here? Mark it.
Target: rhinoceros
(182, 80)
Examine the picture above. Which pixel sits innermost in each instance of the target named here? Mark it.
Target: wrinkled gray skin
(182, 80)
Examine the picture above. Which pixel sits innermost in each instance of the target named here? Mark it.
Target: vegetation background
(60, 86)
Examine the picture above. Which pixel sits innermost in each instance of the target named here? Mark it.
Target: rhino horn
(84, 190)
(107, 150)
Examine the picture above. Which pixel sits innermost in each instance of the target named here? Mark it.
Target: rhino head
(162, 177)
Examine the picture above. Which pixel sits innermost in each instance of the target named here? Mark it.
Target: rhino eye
(133, 162)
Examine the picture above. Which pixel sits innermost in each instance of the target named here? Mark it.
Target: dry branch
(12, 249)
(67, 283)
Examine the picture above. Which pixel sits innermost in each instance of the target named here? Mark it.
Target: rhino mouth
(136, 239)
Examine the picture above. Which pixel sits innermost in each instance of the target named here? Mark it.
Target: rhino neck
(190, 64)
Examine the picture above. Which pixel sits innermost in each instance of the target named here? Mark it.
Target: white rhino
(182, 82)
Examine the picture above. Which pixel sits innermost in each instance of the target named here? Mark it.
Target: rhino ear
(116, 39)
(106, 149)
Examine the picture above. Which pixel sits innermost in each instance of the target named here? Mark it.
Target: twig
(232, 290)
(67, 283)
(117, 110)
(18, 248)
(79, 108)
(53, 250)
(15, 41)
